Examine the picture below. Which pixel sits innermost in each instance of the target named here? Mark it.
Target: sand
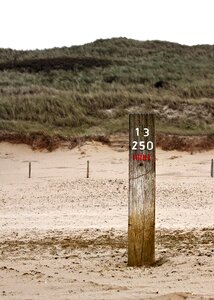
(64, 236)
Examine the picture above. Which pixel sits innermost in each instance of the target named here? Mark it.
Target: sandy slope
(64, 236)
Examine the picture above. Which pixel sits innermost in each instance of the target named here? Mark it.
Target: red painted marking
(142, 157)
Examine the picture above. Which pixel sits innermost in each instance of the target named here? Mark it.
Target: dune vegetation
(89, 90)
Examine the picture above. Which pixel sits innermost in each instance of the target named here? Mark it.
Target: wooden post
(87, 169)
(212, 168)
(141, 219)
(29, 169)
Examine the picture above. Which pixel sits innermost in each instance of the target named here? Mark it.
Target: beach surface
(64, 236)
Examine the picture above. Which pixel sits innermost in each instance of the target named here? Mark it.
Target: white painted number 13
(146, 131)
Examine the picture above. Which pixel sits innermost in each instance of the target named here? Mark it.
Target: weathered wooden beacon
(142, 174)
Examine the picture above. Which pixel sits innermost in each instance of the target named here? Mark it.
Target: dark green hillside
(89, 90)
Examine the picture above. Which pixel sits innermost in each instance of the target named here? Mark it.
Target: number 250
(142, 145)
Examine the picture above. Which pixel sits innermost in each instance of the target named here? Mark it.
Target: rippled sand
(64, 236)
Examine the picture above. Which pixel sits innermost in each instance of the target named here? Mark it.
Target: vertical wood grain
(141, 206)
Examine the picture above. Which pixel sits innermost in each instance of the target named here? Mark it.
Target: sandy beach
(64, 236)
